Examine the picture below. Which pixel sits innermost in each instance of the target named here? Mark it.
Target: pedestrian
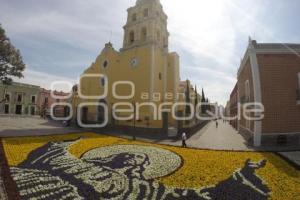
(217, 124)
(66, 123)
(183, 137)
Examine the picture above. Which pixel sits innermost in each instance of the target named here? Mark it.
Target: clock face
(134, 62)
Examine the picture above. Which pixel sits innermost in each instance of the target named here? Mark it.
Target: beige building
(19, 99)
(146, 62)
(270, 74)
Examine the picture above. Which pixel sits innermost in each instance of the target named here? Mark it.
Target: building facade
(46, 100)
(19, 99)
(233, 107)
(270, 74)
(142, 76)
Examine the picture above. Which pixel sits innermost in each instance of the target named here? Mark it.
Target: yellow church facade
(143, 76)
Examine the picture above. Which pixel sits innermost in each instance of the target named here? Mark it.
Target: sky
(59, 39)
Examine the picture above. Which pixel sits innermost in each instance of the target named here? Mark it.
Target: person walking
(183, 137)
(217, 124)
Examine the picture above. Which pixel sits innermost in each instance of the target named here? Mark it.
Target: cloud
(45, 80)
(62, 38)
(210, 34)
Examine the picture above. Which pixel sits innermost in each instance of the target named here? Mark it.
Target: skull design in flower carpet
(121, 172)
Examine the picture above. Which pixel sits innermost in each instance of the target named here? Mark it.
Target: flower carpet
(91, 166)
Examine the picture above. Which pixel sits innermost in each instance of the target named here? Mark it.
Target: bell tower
(146, 24)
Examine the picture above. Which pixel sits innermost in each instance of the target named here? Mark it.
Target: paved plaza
(13, 126)
(210, 137)
(223, 137)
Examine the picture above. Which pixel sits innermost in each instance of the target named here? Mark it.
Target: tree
(203, 96)
(208, 105)
(203, 102)
(11, 62)
(187, 98)
(196, 97)
(188, 101)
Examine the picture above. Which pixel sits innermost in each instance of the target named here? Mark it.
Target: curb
(288, 160)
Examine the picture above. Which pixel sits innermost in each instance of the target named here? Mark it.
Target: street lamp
(134, 116)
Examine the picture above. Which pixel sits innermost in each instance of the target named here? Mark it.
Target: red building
(46, 100)
(233, 106)
(270, 74)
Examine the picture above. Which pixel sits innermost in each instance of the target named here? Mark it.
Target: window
(7, 97)
(102, 81)
(298, 90)
(46, 100)
(146, 12)
(134, 17)
(19, 99)
(105, 64)
(298, 80)
(159, 76)
(165, 42)
(6, 109)
(33, 99)
(144, 34)
(19, 109)
(32, 110)
(247, 91)
(131, 37)
(158, 36)
(57, 100)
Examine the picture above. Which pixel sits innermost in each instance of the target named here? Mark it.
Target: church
(141, 76)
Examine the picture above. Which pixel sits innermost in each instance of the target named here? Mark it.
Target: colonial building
(270, 74)
(144, 73)
(19, 99)
(233, 107)
(46, 100)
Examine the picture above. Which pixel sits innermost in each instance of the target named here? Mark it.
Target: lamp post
(134, 116)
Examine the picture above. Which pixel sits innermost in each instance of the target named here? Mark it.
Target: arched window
(144, 34)
(134, 17)
(146, 12)
(165, 42)
(131, 37)
(158, 36)
(105, 64)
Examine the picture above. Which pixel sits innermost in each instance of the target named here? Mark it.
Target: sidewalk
(209, 137)
(293, 157)
(222, 138)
